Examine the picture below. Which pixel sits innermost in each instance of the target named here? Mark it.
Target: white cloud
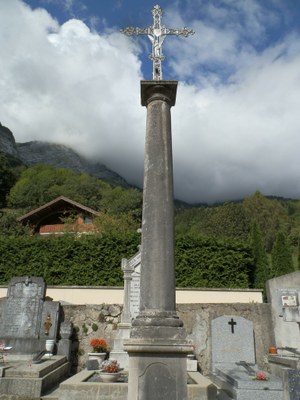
(246, 136)
(69, 85)
(235, 124)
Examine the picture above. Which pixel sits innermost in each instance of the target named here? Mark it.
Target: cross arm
(131, 30)
(180, 32)
(247, 366)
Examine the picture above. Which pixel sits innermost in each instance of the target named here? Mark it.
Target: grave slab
(25, 380)
(241, 386)
(233, 361)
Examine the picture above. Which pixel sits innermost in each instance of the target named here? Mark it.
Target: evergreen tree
(269, 214)
(282, 261)
(261, 267)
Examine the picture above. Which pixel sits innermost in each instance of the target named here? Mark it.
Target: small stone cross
(157, 34)
(28, 280)
(232, 323)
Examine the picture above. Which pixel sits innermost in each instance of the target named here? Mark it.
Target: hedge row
(96, 260)
(64, 260)
(212, 263)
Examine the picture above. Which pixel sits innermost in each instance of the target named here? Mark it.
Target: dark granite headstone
(92, 365)
(293, 383)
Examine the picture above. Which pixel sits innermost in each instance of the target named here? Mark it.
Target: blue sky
(68, 75)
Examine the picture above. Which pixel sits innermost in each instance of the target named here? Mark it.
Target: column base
(157, 318)
(157, 368)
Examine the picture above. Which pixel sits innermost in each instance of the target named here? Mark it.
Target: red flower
(99, 345)
(261, 376)
(110, 366)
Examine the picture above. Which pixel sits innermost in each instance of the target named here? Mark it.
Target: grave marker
(233, 344)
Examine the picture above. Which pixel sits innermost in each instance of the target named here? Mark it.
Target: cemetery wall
(106, 294)
(101, 321)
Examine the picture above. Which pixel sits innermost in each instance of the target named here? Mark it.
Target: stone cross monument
(157, 347)
(157, 34)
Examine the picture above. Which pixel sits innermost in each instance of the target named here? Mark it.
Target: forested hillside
(238, 244)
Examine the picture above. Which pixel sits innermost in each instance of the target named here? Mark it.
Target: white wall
(111, 295)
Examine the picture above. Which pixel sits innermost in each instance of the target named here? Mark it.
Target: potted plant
(99, 351)
(109, 371)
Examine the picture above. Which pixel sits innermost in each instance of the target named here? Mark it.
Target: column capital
(158, 90)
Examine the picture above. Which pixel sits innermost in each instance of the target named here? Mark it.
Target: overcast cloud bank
(235, 125)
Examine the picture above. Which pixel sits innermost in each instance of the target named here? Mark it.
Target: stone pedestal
(157, 347)
(118, 352)
(158, 369)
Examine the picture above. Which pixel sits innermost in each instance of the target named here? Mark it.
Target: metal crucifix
(157, 34)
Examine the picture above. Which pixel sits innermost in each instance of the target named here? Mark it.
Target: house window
(87, 220)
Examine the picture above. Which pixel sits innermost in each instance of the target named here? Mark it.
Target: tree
(282, 261)
(261, 266)
(42, 183)
(224, 221)
(118, 201)
(298, 266)
(9, 226)
(269, 214)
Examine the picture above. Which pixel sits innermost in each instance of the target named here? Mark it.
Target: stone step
(78, 388)
(28, 369)
(34, 381)
(53, 395)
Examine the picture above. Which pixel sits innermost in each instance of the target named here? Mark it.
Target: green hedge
(96, 260)
(212, 263)
(64, 260)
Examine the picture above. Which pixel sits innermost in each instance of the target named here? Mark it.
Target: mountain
(56, 155)
(7, 142)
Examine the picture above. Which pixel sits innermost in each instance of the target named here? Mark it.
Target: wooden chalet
(60, 216)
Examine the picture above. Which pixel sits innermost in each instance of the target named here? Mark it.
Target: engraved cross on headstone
(232, 323)
(157, 34)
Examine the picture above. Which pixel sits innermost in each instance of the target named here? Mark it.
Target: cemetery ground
(231, 345)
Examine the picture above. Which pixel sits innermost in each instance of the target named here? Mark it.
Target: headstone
(131, 303)
(22, 314)
(135, 286)
(232, 340)
(284, 295)
(233, 361)
(292, 384)
(27, 320)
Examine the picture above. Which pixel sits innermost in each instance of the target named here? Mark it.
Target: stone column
(127, 271)
(123, 333)
(157, 347)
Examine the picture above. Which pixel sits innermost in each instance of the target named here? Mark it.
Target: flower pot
(50, 343)
(272, 350)
(95, 360)
(108, 377)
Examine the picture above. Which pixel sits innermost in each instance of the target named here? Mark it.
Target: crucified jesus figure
(157, 34)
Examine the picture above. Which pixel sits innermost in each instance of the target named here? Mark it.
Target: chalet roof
(60, 202)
